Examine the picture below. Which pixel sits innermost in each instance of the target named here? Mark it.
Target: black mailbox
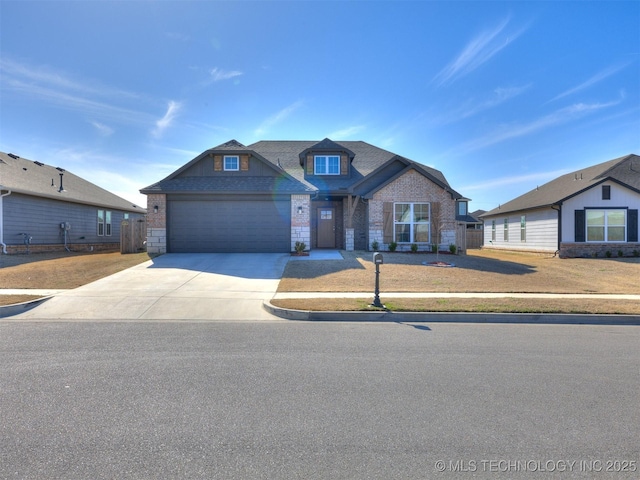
(377, 258)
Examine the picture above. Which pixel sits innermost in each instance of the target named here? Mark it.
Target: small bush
(414, 247)
(375, 246)
(393, 246)
(636, 253)
(608, 253)
(434, 248)
(620, 253)
(453, 249)
(300, 246)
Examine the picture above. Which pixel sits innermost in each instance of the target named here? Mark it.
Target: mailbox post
(377, 259)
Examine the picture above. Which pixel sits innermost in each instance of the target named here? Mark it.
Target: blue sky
(499, 96)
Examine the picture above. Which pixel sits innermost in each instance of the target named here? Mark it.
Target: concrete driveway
(187, 286)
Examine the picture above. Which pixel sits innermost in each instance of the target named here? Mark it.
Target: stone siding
(301, 222)
(157, 223)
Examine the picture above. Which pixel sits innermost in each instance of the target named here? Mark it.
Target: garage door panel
(228, 226)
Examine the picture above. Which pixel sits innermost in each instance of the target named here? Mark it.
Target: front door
(326, 228)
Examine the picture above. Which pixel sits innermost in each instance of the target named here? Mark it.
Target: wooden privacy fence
(475, 238)
(133, 236)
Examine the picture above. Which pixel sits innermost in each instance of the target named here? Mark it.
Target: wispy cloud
(473, 107)
(558, 117)
(103, 129)
(346, 132)
(598, 77)
(165, 122)
(277, 118)
(478, 51)
(217, 74)
(539, 177)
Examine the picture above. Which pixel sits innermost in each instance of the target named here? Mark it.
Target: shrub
(608, 253)
(393, 246)
(300, 246)
(620, 253)
(414, 247)
(453, 248)
(375, 245)
(434, 248)
(636, 253)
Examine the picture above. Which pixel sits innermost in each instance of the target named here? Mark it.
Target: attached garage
(228, 224)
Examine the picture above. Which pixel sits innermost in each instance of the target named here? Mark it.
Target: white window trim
(326, 172)
(224, 163)
(107, 223)
(606, 225)
(100, 231)
(411, 223)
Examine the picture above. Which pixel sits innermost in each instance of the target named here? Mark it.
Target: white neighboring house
(590, 212)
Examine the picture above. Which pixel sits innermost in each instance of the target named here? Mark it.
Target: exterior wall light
(155, 209)
(300, 210)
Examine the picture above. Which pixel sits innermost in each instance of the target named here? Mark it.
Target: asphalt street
(283, 400)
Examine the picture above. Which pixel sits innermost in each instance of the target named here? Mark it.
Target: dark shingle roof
(24, 176)
(624, 170)
(284, 157)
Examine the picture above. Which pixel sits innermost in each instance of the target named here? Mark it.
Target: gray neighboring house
(56, 209)
(588, 212)
(267, 196)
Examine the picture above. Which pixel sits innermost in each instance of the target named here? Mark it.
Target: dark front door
(326, 228)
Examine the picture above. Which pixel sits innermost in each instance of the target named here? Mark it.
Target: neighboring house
(267, 196)
(585, 213)
(56, 209)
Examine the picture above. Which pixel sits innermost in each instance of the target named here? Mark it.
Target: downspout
(559, 210)
(4, 245)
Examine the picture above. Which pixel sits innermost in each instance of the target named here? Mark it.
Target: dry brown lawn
(479, 271)
(60, 270)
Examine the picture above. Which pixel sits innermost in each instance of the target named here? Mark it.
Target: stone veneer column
(349, 240)
(157, 224)
(300, 221)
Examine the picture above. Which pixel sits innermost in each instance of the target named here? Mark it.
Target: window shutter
(387, 220)
(632, 225)
(217, 163)
(309, 164)
(579, 226)
(244, 163)
(344, 164)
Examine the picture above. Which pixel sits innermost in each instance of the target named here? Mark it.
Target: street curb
(452, 317)
(17, 308)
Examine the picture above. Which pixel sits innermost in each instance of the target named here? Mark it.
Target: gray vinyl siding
(541, 231)
(41, 218)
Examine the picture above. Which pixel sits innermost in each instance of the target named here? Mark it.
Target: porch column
(301, 221)
(157, 223)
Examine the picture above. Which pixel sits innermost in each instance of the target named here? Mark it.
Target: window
(107, 223)
(327, 165)
(462, 209)
(493, 230)
(231, 163)
(411, 223)
(506, 229)
(606, 225)
(126, 216)
(100, 223)
(523, 228)
(606, 192)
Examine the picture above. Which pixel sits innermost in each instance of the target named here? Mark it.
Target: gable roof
(284, 157)
(624, 171)
(29, 177)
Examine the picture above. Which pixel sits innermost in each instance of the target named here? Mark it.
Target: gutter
(559, 210)
(4, 245)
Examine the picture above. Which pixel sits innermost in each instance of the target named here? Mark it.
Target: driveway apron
(179, 286)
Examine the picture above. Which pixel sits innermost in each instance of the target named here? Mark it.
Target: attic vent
(13, 155)
(60, 169)
(39, 163)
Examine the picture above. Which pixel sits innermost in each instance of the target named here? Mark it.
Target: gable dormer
(326, 158)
